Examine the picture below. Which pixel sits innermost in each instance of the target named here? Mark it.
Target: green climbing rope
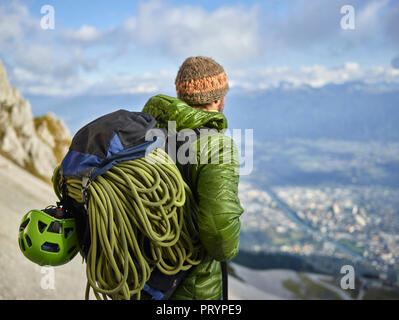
(136, 202)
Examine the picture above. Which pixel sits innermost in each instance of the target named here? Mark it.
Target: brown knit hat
(200, 81)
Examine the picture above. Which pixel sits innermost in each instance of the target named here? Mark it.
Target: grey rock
(34, 144)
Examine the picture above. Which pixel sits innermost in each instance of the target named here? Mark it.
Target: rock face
(37, 145)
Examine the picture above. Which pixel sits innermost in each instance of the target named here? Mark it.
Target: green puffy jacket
(216, 188)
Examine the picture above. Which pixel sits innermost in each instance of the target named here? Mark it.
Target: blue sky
(129, 47)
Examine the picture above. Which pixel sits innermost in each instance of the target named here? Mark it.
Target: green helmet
(48, 239)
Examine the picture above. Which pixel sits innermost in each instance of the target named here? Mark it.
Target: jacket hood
(165, 108)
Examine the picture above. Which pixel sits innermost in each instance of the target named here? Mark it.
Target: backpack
(95, 149)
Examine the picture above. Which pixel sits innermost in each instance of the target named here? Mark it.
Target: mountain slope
(284, 284)
(20, 278)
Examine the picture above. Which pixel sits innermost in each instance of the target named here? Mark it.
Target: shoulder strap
(186, 172)
(225, 289)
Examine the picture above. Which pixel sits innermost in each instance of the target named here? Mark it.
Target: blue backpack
(97, 147)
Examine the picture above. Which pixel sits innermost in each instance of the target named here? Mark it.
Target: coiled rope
(136, 204)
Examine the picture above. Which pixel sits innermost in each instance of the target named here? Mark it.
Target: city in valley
(356, 222)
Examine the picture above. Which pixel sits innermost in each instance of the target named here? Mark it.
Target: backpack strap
(161, 287)
(79, 213)
(186, 171)
(225, 289)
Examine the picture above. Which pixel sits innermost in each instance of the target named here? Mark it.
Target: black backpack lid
(108, 140)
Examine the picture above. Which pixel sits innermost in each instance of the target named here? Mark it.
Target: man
(201, 86)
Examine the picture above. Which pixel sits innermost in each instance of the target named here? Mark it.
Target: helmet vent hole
(71, 249)
(68, 232)
(21, 242)
(42, 226)
(50, 247)
(55, 227)
(23, 225)
(28, 241)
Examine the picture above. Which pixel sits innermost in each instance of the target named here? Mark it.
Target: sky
(135, 47)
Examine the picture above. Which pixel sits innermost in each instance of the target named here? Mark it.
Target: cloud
(315, 76)
(15, 21)
(50, 69)
(228, 33)
(241, 33)
(370, 22)
(85, 35)
(63, 58)
(37, 61)
(317, 24)
(369, 15)
(247, 79)
(306, 23)
(29, 82)
(391, 22)
(242, 37)
(147, 83)
(162, 81)
(395, 62)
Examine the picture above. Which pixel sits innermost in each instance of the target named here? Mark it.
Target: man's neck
(207, 109)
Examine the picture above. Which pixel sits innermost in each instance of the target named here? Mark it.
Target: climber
(201, 86)
(147, 229)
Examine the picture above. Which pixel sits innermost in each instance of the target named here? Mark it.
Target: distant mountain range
(344, 112)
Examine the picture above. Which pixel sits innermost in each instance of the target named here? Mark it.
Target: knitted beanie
(200, 81)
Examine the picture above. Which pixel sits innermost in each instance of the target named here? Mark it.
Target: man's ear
(214, 105)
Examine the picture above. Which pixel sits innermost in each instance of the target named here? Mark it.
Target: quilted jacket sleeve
(216, 183)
